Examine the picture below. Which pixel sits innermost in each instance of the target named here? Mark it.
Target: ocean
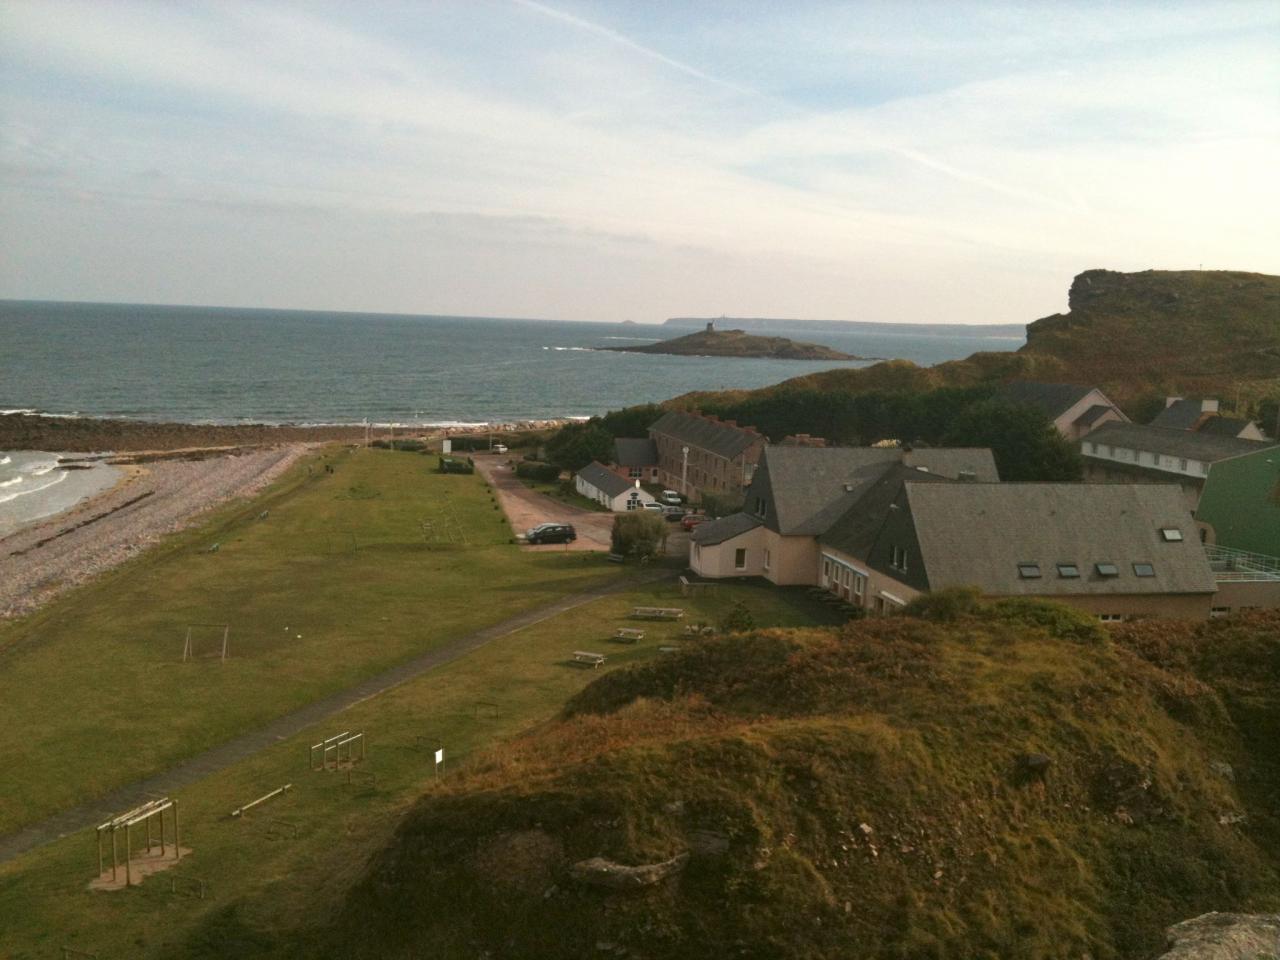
(227, 365)
(35, 485)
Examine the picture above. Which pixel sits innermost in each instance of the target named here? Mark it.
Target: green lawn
(339, 581)
(260, 887)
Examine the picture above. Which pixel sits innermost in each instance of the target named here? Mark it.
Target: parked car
(691, 520)
(552, 533)
(653, 505)
(672, 512)
(671, 497)
(499, 448)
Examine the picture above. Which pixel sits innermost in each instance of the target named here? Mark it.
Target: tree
(639, 533)
(631, 421)
(577, 444)
(1026, 445)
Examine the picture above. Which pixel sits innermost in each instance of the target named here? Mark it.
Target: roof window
(1144, 570)
(1170, 534)
(1029, 571)
(1068, 571)
(1106, 569)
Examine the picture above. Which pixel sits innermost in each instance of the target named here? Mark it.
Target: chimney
(1208, 406)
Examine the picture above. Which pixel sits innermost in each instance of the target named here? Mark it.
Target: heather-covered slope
(861, 793)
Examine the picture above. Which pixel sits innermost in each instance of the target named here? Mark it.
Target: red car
(691, 520)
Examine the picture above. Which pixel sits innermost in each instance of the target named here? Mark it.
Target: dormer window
(1068, 571)
(1106, 569)
(1144, 570)
(1029, 571)
(1170, 534)
(898, 558)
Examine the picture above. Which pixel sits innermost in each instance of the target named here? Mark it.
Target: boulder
(599, 872)
(1225, 936)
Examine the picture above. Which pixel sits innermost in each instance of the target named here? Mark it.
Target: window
(1088, 448)
(1216, 612)
(1111, 617)
(1107, 569)
(1143, 570)
(1029, 571)
(635, 473)
(1103, 450)
(859, 585)
(1204, 467)
(740, 558)
(1170, 534)
(826, 571)
(898, 558)
(1068, 571)
(1182, 465)
(766, 559)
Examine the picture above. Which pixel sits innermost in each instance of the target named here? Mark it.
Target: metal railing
(1228, 563)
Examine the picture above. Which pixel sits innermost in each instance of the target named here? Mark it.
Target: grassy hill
(1137, 335)
(859, 793)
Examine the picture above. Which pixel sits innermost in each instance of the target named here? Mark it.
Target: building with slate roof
(799, 493)
(597, 482)
(1118, 551)
(635, 458)
(700, 454)
(1074, 410)
(1202, 416)
(1132, 451)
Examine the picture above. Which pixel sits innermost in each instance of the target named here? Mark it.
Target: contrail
(915, 156)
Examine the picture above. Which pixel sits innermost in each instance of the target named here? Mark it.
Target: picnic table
(628, 635)
(587, 657)
(657, 613)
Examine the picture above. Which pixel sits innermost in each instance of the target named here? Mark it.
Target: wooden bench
(587, 657)
(668, 648)
(657, 613)
(628, 635)
(615, 558)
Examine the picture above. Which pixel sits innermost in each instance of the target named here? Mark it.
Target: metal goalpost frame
(188, 649)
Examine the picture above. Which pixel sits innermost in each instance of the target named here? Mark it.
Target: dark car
(552, 533)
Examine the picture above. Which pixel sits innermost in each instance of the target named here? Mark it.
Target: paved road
(241, 748)
(527, 508)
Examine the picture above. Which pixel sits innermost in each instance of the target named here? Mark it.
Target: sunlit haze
(623, 161)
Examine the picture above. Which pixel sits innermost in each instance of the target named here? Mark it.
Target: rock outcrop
(1225, 936)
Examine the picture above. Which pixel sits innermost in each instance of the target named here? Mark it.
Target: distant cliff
(739, 343)
(788, 325)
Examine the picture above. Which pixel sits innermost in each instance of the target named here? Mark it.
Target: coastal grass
(265, 891)
(364, 558)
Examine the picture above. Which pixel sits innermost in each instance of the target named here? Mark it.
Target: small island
(738, 343)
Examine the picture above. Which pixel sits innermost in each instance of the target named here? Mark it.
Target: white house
(597, 482)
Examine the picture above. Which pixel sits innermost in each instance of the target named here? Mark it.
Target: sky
(887, 161)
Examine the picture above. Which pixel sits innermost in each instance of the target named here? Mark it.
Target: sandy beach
(151, 500)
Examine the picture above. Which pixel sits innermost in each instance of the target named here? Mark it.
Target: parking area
(527, 508)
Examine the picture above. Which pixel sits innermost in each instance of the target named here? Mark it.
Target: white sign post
(439, 760)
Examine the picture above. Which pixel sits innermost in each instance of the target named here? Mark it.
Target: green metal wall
(1241, 500)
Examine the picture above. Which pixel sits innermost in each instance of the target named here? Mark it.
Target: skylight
(1143, 570)
(1107, 569)
(1068, 571)
(1170, 534)
(1029, 571)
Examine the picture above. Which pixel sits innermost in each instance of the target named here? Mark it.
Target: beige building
(798, 493)
(1074, 410)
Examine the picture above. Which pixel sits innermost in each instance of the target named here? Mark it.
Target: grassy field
(342, 560)
(339, 581)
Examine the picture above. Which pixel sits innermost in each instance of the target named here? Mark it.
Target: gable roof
(855, 530)
(726, 528)
(1173, 443)
(1054, 399)
(1218, 426)
(604, 479)
(976, 534)
(635, 452)
(1179, 415)
(809, 488)
(1090, 416)
(720, 438)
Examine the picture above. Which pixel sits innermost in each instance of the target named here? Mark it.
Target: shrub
(640, 533)
(945, 606)
(738, 619)
(537, 472)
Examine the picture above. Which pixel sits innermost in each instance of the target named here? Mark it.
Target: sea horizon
(227, 365)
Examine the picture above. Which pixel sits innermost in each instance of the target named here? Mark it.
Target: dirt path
(527, 508)
(241, 748)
